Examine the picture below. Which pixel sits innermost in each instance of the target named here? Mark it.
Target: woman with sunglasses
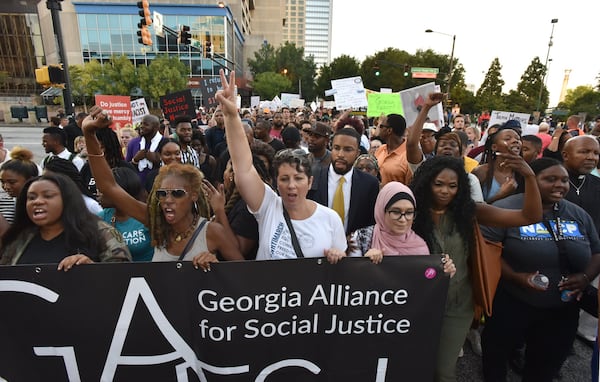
(392, 234)
(309, 229)
(176, 211)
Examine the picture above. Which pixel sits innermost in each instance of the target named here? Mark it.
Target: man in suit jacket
(359, 188)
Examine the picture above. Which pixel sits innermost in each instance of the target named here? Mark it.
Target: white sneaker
(461, 353)
(475, 339)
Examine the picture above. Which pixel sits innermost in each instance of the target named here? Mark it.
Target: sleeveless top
(199, 246)
(493, 190)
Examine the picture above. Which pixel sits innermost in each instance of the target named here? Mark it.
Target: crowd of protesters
(260, 184)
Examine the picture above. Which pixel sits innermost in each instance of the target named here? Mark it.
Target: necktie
(338, 198)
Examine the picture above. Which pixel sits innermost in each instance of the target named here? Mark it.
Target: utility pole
(55, 7)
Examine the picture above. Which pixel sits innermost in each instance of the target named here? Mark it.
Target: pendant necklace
(183, 235)
(581, 185)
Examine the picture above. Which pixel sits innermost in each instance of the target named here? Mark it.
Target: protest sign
(178, 103)
(138, 110)
(349, 93)
(254, 101)
(384, 103)
(414, 98)
(287, 98)
(308, 320)
(499, 117)
(208, 88)
(118, 107)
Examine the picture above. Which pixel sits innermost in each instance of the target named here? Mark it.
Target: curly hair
(354, 122)
(80, 226)
(21, 163)
(159, 228)
(462, 207)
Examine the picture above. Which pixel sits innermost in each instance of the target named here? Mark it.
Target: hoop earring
(195, 209)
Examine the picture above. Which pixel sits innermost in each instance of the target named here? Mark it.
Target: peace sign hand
(227, 96)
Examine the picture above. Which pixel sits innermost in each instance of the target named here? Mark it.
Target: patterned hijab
(389, 243)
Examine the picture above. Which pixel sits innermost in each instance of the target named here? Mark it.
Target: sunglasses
(176, 193)
(294, 153)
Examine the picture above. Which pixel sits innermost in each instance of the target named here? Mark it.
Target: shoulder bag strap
(189, 244)
(563, 261)
(295, 243)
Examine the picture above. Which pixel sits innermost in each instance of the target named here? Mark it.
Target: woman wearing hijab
(392, 234)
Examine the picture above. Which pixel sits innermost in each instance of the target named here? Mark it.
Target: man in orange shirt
(393, 165)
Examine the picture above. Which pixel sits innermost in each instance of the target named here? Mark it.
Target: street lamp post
(451, 57)
(539, 101)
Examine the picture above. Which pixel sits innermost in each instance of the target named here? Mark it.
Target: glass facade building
(21, 52)
(317, 38)
(111, 29)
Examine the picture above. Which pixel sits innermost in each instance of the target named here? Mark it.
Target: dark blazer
(363, 194)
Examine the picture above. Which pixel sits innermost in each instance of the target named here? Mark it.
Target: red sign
(424, 75)
(118, 107)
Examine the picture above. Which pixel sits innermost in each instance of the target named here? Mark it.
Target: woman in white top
(319, 230)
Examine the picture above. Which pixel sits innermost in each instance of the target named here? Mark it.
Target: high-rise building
(307, 24)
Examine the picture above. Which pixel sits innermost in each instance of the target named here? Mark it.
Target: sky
(513, 31)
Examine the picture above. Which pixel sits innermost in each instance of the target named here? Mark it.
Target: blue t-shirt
(135, 235)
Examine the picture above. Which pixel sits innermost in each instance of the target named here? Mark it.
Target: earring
(195, 208)
(231, 178)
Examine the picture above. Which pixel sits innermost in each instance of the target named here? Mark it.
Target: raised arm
(105, 181)
(532, 202)
(414, 154)
(247, 180)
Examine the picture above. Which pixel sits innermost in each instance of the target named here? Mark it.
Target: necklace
(581, 185)
(183, 235)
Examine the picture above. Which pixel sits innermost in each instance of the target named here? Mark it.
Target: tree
(164, 75)
(489, 95)
(582, 99)
(343, 66)
(525, 98)
(264, 60)
(270, 84)
(300, 70)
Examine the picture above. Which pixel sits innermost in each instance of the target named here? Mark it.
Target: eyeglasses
(176, 193)
(397, 215)
(294, 153)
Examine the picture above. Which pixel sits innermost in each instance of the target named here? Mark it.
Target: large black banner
(289, 320)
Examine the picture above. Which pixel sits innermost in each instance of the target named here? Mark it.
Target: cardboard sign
(178, 103)
(414, 98)
(500, 117)
(384, 103)
(349, 93)
(208, 88)
(118, 107)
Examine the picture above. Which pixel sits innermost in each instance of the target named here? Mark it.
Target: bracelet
(96, 155)
(134, 162)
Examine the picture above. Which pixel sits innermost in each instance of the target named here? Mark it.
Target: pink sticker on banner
(430, 273)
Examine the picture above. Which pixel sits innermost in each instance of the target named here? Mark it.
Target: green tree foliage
(582, 99)
(289, 61)
(269, 84)
(525, 98)
(343, 66)
(264, 60)
(489, 95)
(164, 75)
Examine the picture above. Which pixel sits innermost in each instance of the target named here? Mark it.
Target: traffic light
(42, 76)
(144, 36)
(406, 70)
(144, 13)
(208, 46)
(184, 36)
(56, 74)
(376, 70)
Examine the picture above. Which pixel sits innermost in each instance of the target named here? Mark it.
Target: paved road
(26, 136)
(576, 369)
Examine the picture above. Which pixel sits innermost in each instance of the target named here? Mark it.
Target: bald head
(581, 153)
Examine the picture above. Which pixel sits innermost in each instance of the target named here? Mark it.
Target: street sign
(424, 70)
(158, 24)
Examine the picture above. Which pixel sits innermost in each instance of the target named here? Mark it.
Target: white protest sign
(138, 110)
(286, 98)
(254, 101)
(350, 93)
(414, 98)
(500, 117)
(313, 106)
(297, 103)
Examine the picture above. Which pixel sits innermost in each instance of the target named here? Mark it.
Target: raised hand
(97, 119)
(226, 96)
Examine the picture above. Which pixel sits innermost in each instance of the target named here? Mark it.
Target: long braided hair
(160, 230)
(232, 195)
